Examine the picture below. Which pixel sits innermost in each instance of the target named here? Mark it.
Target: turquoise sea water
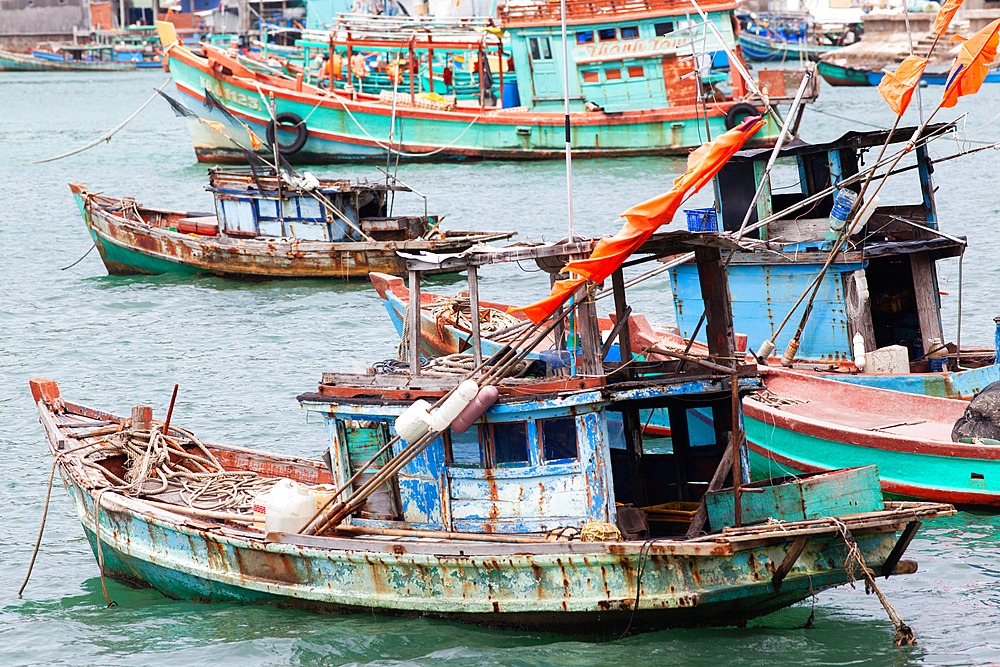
(241, 353)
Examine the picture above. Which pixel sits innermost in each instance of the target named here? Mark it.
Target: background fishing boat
(264, 228)
(633, 90)
(100, 58)
(883, 286)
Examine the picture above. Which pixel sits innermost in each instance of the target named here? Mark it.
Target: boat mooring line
(41, 529)
(92, 246)
(107, 135)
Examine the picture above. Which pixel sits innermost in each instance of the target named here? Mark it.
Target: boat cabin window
(663, 28)
(540, 48)
(558, 438)
(496, 445)
(510, 444)
(465, 448)
(607, 34)
(635, 72)
(612, 74)
(630, 32)
(585, 37)
(592, 76)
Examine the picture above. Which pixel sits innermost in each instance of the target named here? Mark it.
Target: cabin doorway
(545, 79)
(679, 449)
(904, 303)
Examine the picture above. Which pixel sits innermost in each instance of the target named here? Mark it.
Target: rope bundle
(199, 479)
(457, 312)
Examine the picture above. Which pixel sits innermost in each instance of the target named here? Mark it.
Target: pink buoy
(486, 397)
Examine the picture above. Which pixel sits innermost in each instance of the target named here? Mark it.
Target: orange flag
(645, 218)
(945, 14)
(972, 64)
(897, 87)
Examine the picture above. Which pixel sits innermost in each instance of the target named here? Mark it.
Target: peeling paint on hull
(561, 592)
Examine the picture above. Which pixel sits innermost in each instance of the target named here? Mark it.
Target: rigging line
(107, 135)
(852, 120)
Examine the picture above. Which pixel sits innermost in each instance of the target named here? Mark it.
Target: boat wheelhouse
(893, 256)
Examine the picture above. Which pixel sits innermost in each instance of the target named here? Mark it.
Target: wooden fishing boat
(882, 286)
(266, 229)
(477, 525)
(632, 91)
(838, 73)
(803, 423)
(91, 57)
(763, 48)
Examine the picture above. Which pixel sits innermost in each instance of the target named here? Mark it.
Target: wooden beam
(900, 548)
(477, 348)
(798, 546)
(925, 289)
(718, 479)
(414, 321)
(622, 312)
(718, 306)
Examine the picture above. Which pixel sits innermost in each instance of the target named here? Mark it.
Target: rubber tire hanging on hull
(734, 116)
(301, 133)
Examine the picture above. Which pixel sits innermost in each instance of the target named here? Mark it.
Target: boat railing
(595, 10)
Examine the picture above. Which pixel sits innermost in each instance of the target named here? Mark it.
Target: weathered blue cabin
(556, 451)
(895, 252)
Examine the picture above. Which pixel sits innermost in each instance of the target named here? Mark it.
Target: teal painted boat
(838, 73)
(631, 91)
(803, 423)
(507, 505)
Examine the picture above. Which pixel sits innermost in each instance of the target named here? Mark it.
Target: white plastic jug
(289, 505)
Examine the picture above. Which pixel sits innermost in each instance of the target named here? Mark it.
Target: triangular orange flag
(972, 64)
(897, 87)
(644, 219)
(944, 16)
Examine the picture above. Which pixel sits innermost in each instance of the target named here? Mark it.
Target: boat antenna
(569, 148)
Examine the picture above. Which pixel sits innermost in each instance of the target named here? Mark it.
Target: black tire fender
(734, 116)
(301, 133)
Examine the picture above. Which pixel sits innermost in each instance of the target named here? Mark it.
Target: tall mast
(569, 150)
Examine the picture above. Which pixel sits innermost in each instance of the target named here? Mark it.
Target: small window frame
(664, 28)
(540, 426)
(585, 37)
(607, 34)
(633, 32)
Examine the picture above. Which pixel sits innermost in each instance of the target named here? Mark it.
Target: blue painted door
(545, 77)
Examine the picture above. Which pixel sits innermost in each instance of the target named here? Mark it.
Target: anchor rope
(853, 562)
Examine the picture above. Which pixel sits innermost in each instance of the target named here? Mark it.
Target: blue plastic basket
(702, 220)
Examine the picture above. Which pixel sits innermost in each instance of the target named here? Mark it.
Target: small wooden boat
(842, 74)
(478, 524)
(100, 58)
(266, 229)
(763, 48)
(803, 424)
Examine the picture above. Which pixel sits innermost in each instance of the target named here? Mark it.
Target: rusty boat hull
(589, 588)
(146, 241)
